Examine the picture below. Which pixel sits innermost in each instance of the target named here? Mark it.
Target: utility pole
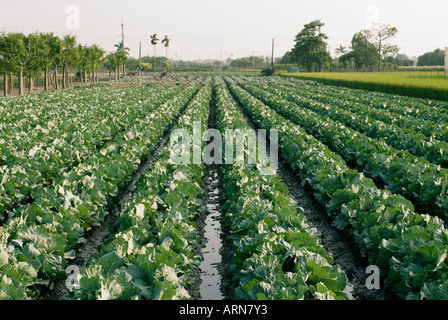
(140, 60)
(272, 57)
(220, 58)
(122, 35)
(122, 45)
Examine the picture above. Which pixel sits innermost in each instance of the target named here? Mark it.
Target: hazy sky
(208, 28)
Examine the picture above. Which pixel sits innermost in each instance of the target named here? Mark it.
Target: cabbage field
(93, 207)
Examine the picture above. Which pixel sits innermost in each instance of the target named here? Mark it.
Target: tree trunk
(56, 80)
(30, 84)
(21, 81)
(11, 83)
(5, 84)
(116, 75)
(63, 77)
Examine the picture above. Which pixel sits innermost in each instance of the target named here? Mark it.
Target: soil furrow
(339, 245)
(96, 236)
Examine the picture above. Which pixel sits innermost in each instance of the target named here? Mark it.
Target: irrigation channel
(211, 251)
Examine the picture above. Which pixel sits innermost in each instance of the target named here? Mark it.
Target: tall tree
(50, 56)
(154, 41)
(379, 35)
(120, 47)
(56, 47)
(19, 47)
(38, 58)
(9, 64)
(97, 55)
(364, 52)
(310, 49)
(166, 42)
(112, 63)
(70, 57)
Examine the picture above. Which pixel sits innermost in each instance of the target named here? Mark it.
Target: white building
(446, 62)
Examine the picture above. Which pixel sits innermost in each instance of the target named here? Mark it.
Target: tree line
(30, 56)
(370, 49)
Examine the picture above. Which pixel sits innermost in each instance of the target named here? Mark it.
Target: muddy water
(211, 251)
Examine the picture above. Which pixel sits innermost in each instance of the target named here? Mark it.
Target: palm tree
(341, 50)
(154, 41)
(119, 47)
(166, 41)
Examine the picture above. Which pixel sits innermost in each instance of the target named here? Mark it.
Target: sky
(215, 29)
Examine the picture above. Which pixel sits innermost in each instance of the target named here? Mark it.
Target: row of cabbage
(410, 249)
(427, 117)
(418, 180)
(275, 253)
(40, 238)
(151, 253)
(360, 119)
(61, 147)
(427, 109)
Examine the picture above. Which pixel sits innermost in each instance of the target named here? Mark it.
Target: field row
(409, 248)
(374, 176)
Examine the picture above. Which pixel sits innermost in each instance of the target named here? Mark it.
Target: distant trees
(89, 62)
(113, 61)
(249, 62)
(434, 58)
(364, 52)
(30, 56)
(370, 48)
(379, 36)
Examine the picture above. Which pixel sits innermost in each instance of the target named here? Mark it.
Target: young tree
(310, 49)
(19, 48)
(97, 56)
(38, 58)
(50, 56)
(56, 47)
(110, 62)
(69, 58)
(8, 59)
(120, 47)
